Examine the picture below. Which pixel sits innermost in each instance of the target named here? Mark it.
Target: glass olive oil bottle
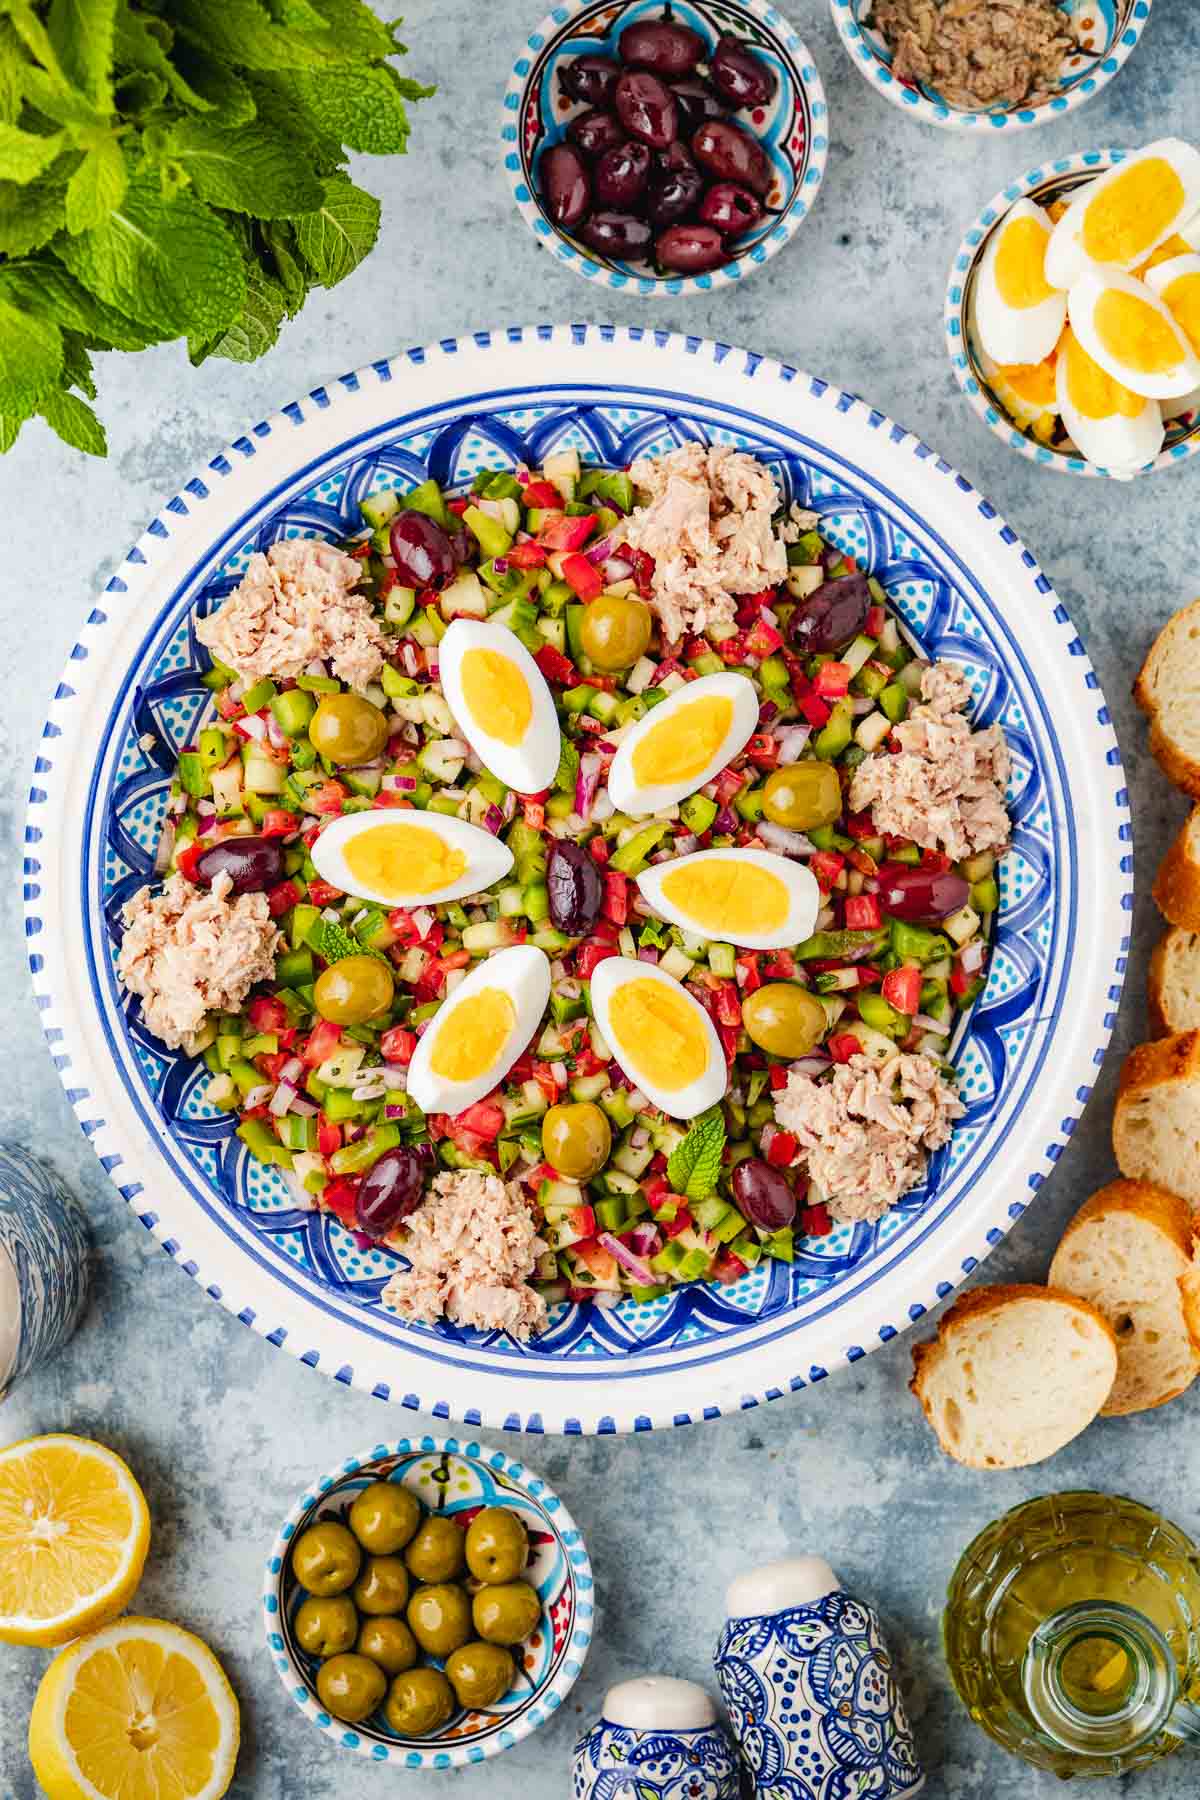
(1072, 1634)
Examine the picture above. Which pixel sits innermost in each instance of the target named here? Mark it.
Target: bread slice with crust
(1177, 884)
(1173, 998)
(1168, 691)
(1128, 1251)
(1014, 1374)
(1156, 1119)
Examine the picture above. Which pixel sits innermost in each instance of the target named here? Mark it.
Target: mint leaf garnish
(244, 169)
(334, 239)
(568, 767)
(694, 1166)
(24, 155)
(75, 423)
(97, 187)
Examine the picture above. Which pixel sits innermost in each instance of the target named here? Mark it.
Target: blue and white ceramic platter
(1027, 1054)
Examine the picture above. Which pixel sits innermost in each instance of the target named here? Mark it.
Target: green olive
(347, 729)
(326, 1558)
(803, 795)
(383, 1586)
(389, 1643)
(440, 1618)
(615, 630)
(419, 1702)
(385, 1517)
(508, 1614)
(354, 990)
(497, 1544)
(576, 1140)
(326, 1627)
(783, 1019)
(438, 1552)
(480, 1674)
(350, 1687)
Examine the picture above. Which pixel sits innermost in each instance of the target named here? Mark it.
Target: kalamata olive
(392, 1188)
(674, 188)
(594, 132)
(697, 102)
(617, 234)
(664, 47)
(253, 864)
(763, 1195)
(744, 78)
(647, 108)
(423, 554)
(565, 184)
(732, 154)
(590, 79)
(832, 615)
(922, 896)
(575, 887)
(730, 208)
(690, 249)
(620, 175)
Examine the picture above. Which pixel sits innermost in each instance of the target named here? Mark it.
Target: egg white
(1030, 415)
(488, 860)
(1119, 444)
(1081, 306)
(1014, 334)
(630, 796)
(804, 897)
(683, 1103)
(523, 972)
(531, 765)
(1066, 259)
(1158, 281)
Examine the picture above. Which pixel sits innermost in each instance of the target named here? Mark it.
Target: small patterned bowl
(1050, 182)
(1111, 30)
(794, 131)
(453, 1476)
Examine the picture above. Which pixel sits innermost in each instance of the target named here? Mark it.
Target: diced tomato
(543, 495)
(387, 799)
(600, 848)
(326, 797)
(543, 1074)
(781, 1151)
(601, 1263)
(960, 981)
(434, 938)
(583, 1220)
(827, 865)
(281, 899)
(729, 783)
(329, 1135)
(747, 971)
(656, 1190)
(277, 823)
(339, 1197)
(567, 533)
(777, 1077)
(615, 905)
(228, 708)
(732, 650)
(534, 814)
(555, 666)
(457, 507)
(763, 750)
(729, 1035)
(815, 1221)
(935, 860)
(815, 710)
(583, 576)
(588, 955)
(842, 1046)
(323, 893)
(606, 931)
(400, 920)
(522, 1070)
(801, 685)
(867, 975)
(696, 646)
(670, 665)
(860, 825)
(728, 1268)
(588, 1063)
(781, 967)
(525, 556)
(187, 858)
(902, 989)
(672, 1227)
(643, 573)
(485, 1119)
(606, 683)
(266, 1013)
(398, 1045)
(763, 639)
(862, 913)
(728, 1004)
(308, 838)
(876, 620)
(287, 1038)
(866, 865)
(832, 680)
(323, 1040)
(272, 1063)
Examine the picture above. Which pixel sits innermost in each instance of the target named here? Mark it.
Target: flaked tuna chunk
(294, 606)
(191, 951)
(472, 1245)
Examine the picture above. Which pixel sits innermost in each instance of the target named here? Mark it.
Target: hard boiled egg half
(1129, 331)
(1177, 284)
(479, 1031)
(408, 858)
(1111, 426)
(1116, 221)
(501, 703)
(1019, 316)
(748, 897)
(663, 1038)
(1028, 392)
(682, 743)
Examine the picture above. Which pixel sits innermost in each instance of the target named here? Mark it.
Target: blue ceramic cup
(657, 1739)
(807, 1681)
(44, 1253)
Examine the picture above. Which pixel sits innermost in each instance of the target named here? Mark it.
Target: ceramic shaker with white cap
(44, 1253)
(657, 1736)
(807, 1682)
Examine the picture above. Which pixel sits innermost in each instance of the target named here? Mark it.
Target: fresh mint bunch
(176, 169)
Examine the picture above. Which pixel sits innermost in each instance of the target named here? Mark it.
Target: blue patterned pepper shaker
(807, 1681)
(44, 1252)
(657, 1739)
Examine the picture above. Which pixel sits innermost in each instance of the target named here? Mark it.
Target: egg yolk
(496, 694)
(728, 898)
(1136, 333)
(1183, 298)
(1093, 391)
(1034, 382)
(1174, 246)
(683, 745)
(1132, 211)
(473, 1036)
(659, 1033)
(1021, 264)
(403, 859)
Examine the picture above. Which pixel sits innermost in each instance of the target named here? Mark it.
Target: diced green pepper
(698, 813)
(193, 774)
(835, 945)
(293, 711)
(893, 700)
(262, 1144)
(918, 943)
(630, 859)
(835, 735)
(256, 697)
(494, 537)
(427, 499)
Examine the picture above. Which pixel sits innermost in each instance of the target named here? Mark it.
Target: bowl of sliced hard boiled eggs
(1073, 311)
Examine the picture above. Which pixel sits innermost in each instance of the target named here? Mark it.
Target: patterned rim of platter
(1027, 1053)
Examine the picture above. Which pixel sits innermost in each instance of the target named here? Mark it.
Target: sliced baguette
(1177, 884)
(1174, 982)
(1156, 1120)
(1128, 1251)
(1168, 692)
(1014, 1374)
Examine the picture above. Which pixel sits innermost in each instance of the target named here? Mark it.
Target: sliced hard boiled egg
(683, 743)
(501, 703)
(748, 897)
(408, 858)
(1130, 332)
(1028, 392)
(663, 1038)
(1176, 281)
(1118, 430)
(1173, 246)
(1019, 316)
(479, 1031)
(1116, 221)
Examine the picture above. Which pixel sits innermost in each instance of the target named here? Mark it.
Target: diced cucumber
(464, 597)
(427, 499)
(491, 934)
(722, 959)
(588, 1087)
(698, 812)
(378, 508)
(256, 697)
(440, 762)
(293, 711)
(398, 606)
(494, 538)
(677, 963)
(260, 775)
(962, 925)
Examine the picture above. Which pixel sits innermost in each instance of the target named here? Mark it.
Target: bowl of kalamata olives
(428, 1604)
(668, 148)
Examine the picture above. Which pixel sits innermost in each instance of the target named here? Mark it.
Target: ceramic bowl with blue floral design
(793, 130)
(459, 1478)
(1109, 32)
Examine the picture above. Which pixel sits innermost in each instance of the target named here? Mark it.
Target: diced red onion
(178, 803)
(292, 1070)
(282, 1099)
(769, 1134)
(399, 784)
(633, 1265)
(791, 740)
(258, 1096)
(603, 807)
(422, 921)
(391, 1111)
(432, 666)
(972, 957)
(559, 1072)
(778, 837)
(639, 1137)
(493, 819)
(500, 564)
(767, 712)
(586, 783)
(393, 1077)
(509, 808)
(304, 1108)
(811, 1065)
(923, 1022)
(862, 705)
(645, 1240)
(237, 688)
(725, 821)
(166, 848)
(617, 569)
(254, 727)
(685, 843)
(276, 736)
(769, 618)
(599, 552)
(647, 954)
(205, 809)
(409, 653)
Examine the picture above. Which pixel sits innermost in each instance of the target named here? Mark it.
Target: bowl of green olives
(428, 1604)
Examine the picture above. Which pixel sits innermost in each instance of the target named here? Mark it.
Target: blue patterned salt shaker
(658, 1738)
(44, 1254)
(807, 1681)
